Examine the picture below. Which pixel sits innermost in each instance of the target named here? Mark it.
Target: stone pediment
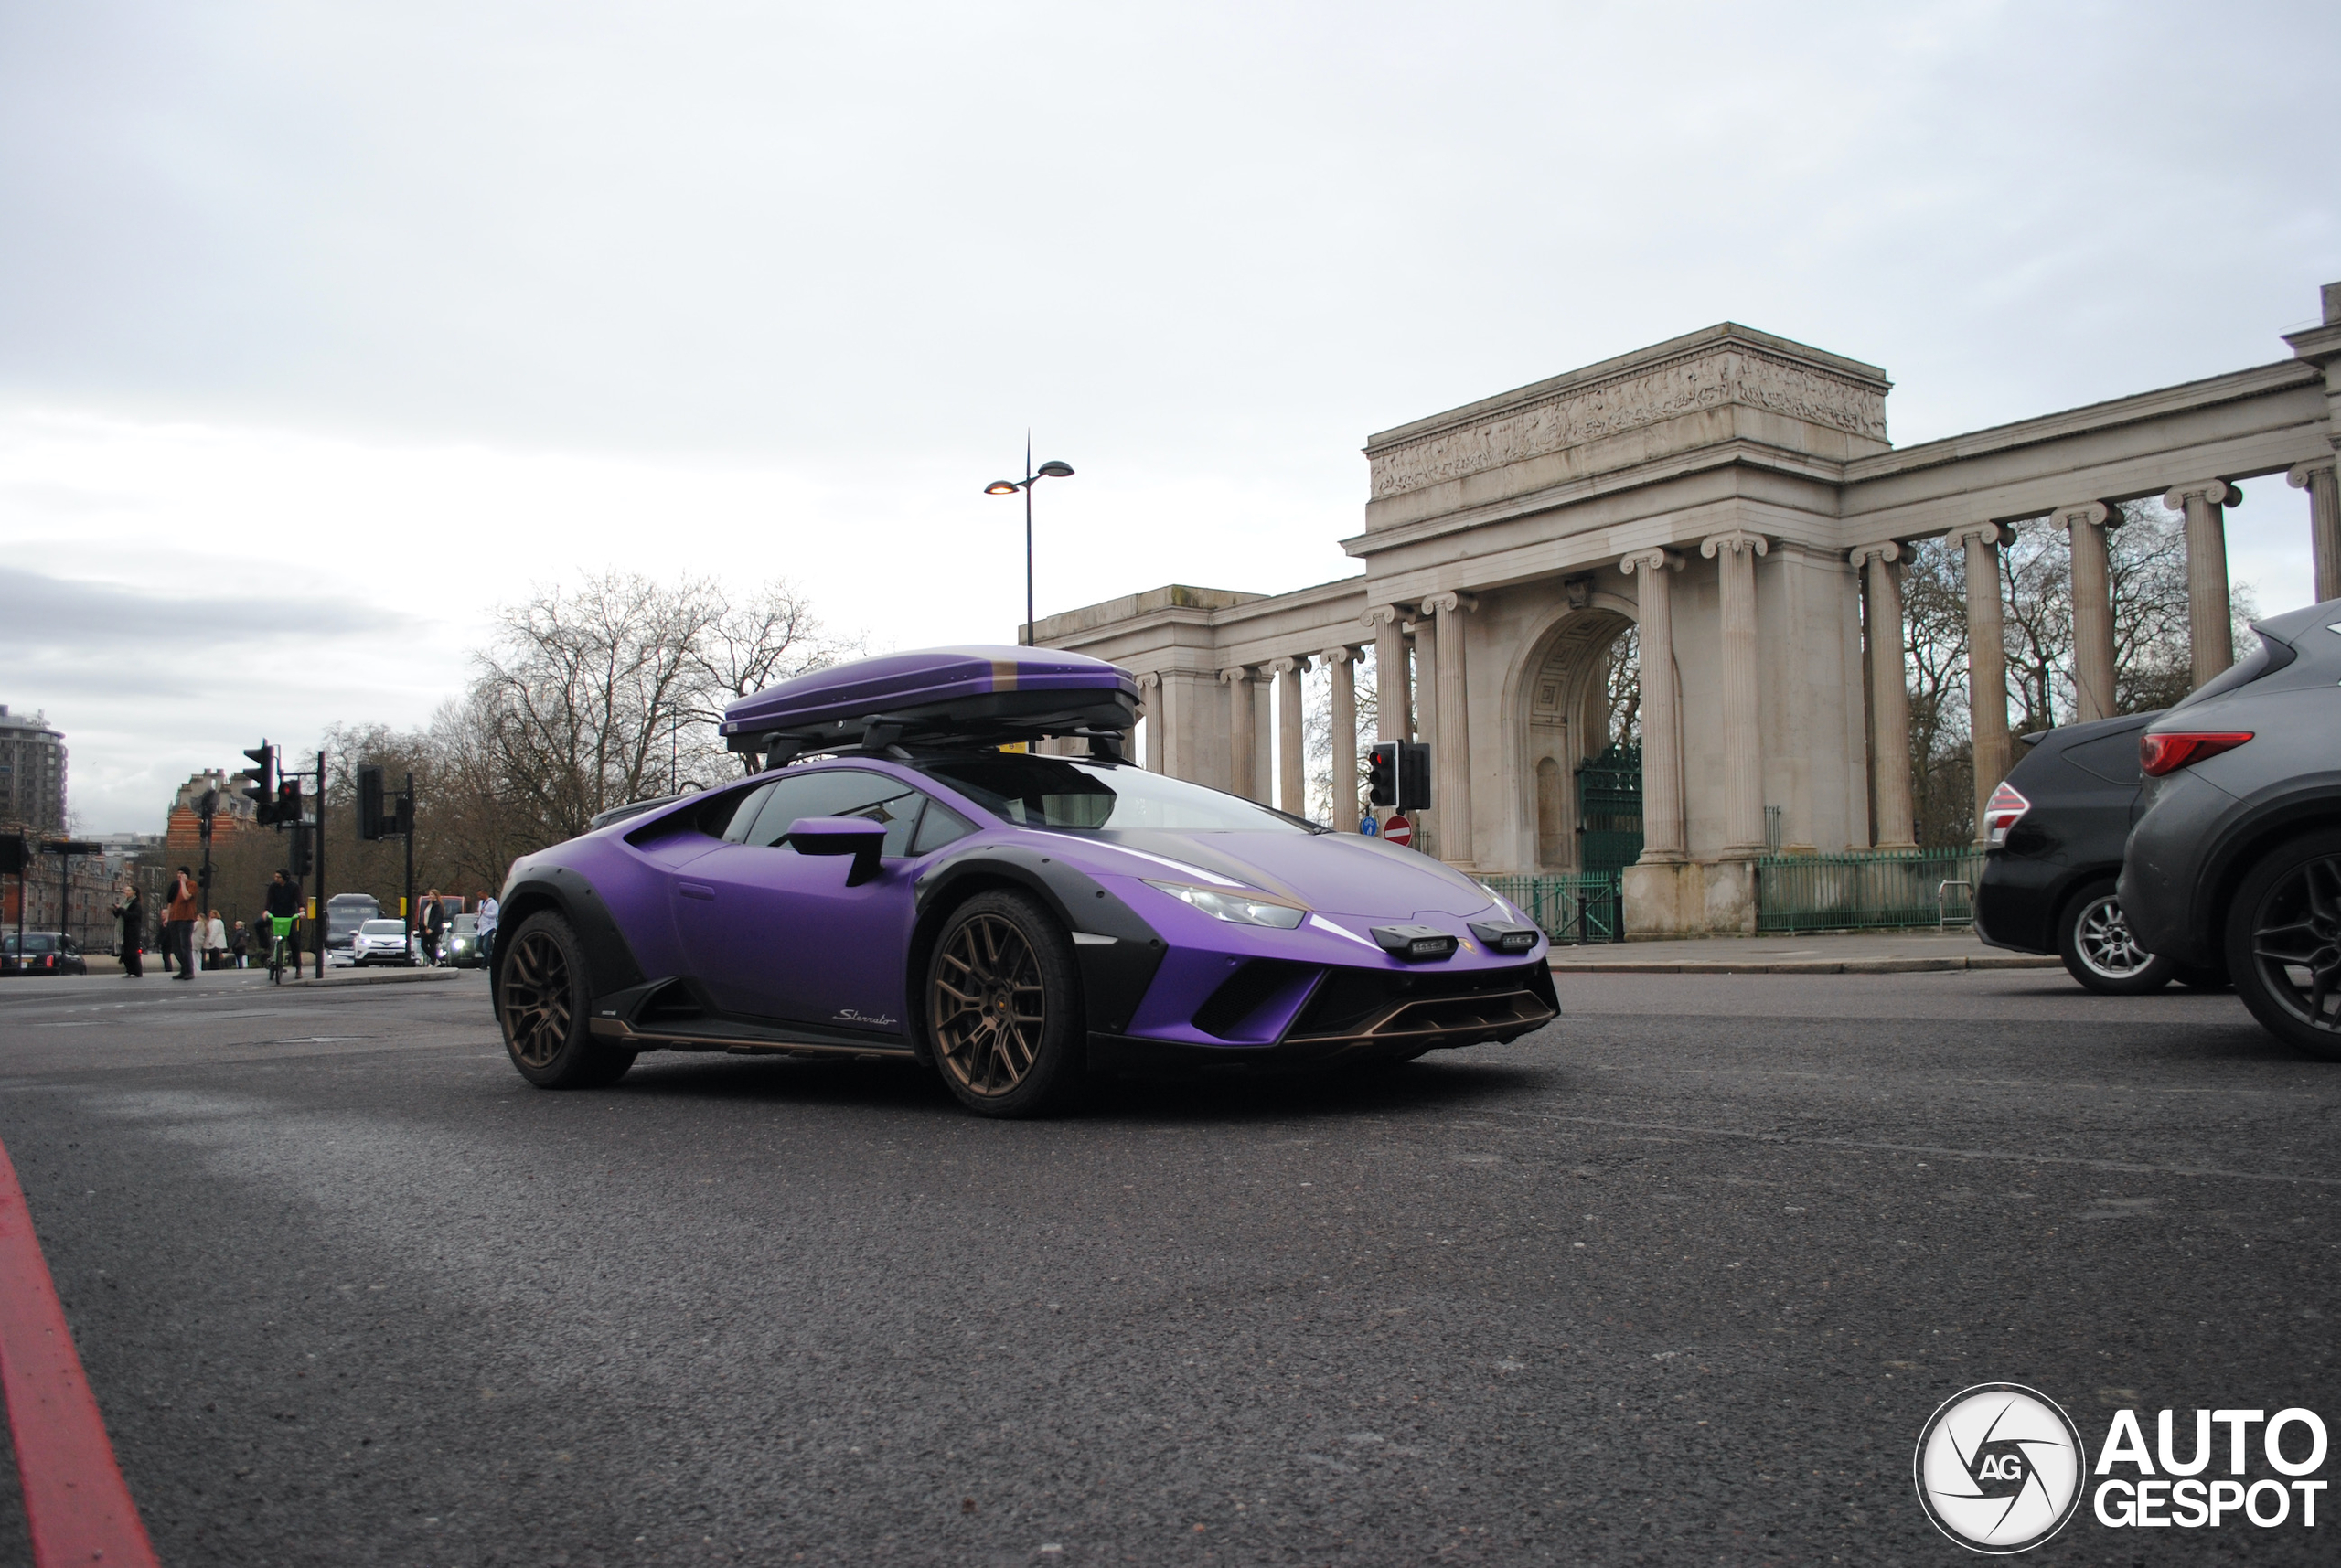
(1723, 369)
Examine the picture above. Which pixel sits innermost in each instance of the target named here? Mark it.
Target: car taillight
(2000, 813)
(2166, 753)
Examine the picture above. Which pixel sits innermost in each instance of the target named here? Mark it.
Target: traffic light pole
(406, 904)
(317, 914)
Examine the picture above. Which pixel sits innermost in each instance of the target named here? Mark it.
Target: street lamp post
(1051, 469)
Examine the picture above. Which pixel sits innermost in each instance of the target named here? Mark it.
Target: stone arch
(1547, 699)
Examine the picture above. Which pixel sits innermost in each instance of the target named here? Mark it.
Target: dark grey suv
(2236, 858)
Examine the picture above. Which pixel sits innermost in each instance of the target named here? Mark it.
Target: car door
(776, 935)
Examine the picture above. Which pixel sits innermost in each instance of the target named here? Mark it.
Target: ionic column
(1344, 780)
(1292, 781)
(1987, 660)
(2093, 606)
(1150, 711)
(1241, 767)
(1394, 707)
(2317, 477)
(1662, 837)
(1890, 728)
(1734, 553)
(1452, 756)
(1425, 649)
(2210, 616)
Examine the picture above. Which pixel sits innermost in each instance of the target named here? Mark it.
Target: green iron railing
(1867, 888)
(1569, 909)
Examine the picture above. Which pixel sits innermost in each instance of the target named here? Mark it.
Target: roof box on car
(937, 696)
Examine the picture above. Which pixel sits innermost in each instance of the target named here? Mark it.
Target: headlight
(1237, 909)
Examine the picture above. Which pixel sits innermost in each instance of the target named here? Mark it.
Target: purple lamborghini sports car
(894, 884)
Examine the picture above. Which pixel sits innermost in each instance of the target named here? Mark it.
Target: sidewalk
(1860, 952)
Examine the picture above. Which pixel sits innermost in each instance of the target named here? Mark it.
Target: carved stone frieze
(1733, 373)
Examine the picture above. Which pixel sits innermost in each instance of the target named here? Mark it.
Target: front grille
(1359, 1002)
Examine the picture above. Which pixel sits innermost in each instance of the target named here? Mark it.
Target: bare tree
(1316, 732)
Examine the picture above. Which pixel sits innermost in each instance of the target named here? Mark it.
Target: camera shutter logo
(2000, 1469)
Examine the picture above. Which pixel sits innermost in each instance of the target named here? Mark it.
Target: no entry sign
(1398, 831)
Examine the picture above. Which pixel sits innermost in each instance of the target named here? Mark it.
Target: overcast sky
(326, 328)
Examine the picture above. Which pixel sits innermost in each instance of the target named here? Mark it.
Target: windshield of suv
(1067, 792)
(381, 928)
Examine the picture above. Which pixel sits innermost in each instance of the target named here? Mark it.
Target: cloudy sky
(326, 328)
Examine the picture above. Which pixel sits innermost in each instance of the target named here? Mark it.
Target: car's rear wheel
(544, 1001)
(1003, 1009)
(2284, 942)
(2094, 940)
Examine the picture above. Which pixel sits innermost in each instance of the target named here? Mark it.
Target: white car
(381, 941)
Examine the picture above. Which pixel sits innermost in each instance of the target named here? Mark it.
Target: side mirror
(856, 836)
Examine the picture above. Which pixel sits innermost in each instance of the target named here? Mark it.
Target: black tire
(1001, 1008)
(2093, 939)
(2284, 942)
(544, 1005)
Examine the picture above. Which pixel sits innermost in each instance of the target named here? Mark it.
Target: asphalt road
(1676, 1280)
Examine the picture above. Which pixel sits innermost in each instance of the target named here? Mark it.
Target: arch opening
(1584, 733)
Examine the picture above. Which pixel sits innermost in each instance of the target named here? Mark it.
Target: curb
(1806, 965)
(380, 978)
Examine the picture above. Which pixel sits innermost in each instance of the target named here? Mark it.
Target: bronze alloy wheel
(537, 998)
(987, 1005)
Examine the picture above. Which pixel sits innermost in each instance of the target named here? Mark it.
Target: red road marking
(76, 1502)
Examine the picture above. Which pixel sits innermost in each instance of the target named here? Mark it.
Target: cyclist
(283, 909)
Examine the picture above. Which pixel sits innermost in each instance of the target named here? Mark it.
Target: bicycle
(277, 947)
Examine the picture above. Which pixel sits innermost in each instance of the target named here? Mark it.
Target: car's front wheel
(2284, 942)
(544, 1002)
(2094, 940)
(1004, 1008)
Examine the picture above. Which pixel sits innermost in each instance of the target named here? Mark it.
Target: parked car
(460, 947)
(345, 913)
(1012, 921)
(41, 952)
(2236, 856)
(381, 941)
(2055, 829)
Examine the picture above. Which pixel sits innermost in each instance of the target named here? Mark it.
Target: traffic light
(288, 803)
(1414, 776)
(260, 789)
(11, 855)
(370, 826)
(299, 853)
(1399, 775)
(207, 805)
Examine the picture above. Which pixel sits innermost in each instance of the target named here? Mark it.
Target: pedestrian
(132, 913)
(486, 933)
(434, 925)
(283, 905)
(239, 946)
(178, 918)
(215, 942)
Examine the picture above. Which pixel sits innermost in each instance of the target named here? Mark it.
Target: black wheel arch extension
(1113, 975)
(609, 960)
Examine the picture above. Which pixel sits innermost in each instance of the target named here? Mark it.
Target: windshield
(381, 928)
(35, 942)
(1067, 792)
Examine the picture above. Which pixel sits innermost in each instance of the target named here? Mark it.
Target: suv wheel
(2094, 940)
(2284, 942)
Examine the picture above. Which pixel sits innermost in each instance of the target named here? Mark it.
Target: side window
(742, 813)
(837, 792)
(941, 825)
